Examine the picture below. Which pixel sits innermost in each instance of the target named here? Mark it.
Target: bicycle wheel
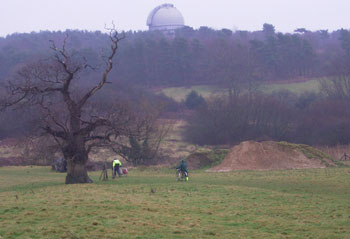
(180, 175)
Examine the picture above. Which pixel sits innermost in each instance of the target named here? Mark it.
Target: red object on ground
(125, 171)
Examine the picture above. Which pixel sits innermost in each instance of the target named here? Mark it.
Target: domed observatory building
(165, 18)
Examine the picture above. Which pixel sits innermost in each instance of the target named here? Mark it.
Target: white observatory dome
(165, 18)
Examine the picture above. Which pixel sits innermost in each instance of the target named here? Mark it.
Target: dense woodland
(193, 56)
(237, 61)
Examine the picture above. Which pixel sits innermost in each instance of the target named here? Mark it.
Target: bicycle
(181, 175)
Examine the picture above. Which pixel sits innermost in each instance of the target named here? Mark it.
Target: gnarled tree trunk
(77, 157)
(77, 173)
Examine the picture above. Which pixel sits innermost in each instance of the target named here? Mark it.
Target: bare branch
(55, 133)
(113, 35)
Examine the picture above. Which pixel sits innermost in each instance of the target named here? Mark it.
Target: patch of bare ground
(11, 154)
(8, 142)
(174, 148)
(269, 155)
(14, 161)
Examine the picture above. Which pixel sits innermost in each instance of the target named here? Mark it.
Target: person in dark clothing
(65, 165)
(183, 168)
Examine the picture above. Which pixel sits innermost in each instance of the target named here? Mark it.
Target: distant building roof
(165, 18)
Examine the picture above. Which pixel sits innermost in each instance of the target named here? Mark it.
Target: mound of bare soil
(270, 155)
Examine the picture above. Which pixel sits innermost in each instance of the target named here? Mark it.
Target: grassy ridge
(311, 152)
(312, 85)
(34, 203)
(180, 93)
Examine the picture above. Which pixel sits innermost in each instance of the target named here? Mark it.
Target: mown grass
(34, 203)
(179, 93)
(312, 85)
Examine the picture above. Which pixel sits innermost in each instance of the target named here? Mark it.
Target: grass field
(34, 203)
(180, 93)
(312, 85)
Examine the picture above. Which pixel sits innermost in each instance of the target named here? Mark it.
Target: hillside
(179, 94)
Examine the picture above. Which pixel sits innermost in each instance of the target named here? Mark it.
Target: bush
(325, 123)
(247, 118)
(194, 100)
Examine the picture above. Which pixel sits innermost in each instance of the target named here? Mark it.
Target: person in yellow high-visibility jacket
(116, 167)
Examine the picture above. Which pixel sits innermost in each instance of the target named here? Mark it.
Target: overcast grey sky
(286, 15)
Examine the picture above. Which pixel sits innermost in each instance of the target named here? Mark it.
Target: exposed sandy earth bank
(250, 155)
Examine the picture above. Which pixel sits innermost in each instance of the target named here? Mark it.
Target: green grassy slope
(297, 88)
(179, 93)
(34, 203)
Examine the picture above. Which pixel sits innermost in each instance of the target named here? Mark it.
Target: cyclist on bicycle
(183, 168)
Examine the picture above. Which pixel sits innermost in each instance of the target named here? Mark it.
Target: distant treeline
(202, 56)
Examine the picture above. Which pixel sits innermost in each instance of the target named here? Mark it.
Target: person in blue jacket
(183, 168)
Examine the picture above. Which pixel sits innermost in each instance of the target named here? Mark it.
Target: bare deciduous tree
(337, 85)
(67, 114)
(238, 68)
(139, 144)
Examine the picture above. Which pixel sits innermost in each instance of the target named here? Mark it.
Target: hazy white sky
(286, 15)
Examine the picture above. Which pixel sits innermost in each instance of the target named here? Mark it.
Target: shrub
(247, 118)
(194, 100)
